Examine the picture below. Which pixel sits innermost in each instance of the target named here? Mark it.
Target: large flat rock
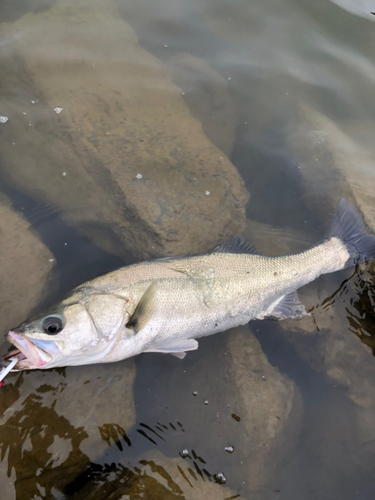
(124, 161)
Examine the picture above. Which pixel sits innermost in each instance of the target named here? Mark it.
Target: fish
(164, 305)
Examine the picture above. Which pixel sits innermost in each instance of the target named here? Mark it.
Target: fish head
(75, 332)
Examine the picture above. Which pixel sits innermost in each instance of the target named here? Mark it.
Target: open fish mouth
(28, 354)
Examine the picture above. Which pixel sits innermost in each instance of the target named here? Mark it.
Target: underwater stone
(130, 94)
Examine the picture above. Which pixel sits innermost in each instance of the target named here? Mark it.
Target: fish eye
(52, 325)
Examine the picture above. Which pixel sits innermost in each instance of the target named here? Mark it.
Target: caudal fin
(348, 226)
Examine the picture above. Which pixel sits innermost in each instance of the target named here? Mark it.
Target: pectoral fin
(144, 309)
(177, 348)
(288, 306)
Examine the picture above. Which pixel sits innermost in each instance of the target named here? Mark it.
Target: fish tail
(348, 226)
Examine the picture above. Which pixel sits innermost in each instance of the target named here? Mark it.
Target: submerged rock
(228, 395)
(124, 161)
(24, 259)
(270, 406)
(59, 421)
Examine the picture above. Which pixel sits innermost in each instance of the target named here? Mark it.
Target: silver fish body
(202, 295)
(164, 305)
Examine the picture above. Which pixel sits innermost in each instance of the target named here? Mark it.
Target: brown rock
(230, 395)
(24, 260)
(87, 392)
(270, 406)
(121, 116)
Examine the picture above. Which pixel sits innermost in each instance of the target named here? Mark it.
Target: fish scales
(164, 305)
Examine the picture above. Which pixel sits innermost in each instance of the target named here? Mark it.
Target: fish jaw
(30, 354)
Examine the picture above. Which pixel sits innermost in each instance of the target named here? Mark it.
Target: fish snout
(30, 354)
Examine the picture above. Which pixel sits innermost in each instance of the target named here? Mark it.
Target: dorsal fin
(144, 310)
(236, 244)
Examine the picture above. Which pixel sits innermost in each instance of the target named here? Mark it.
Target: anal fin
(289, 306)
(177, 348)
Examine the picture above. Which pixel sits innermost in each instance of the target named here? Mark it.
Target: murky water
(127, 130)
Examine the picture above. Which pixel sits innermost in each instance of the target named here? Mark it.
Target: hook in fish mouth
(30, 354)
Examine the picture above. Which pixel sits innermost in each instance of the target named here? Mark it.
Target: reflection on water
(42, 446)
(166, 108)
(361, 315)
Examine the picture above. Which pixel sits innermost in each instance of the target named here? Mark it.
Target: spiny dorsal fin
(236, 244)
(144, 310)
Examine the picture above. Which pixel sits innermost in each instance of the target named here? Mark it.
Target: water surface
(285, 91)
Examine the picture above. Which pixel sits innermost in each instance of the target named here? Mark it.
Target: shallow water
(285, 91)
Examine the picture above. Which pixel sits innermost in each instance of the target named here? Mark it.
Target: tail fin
(348, 226)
